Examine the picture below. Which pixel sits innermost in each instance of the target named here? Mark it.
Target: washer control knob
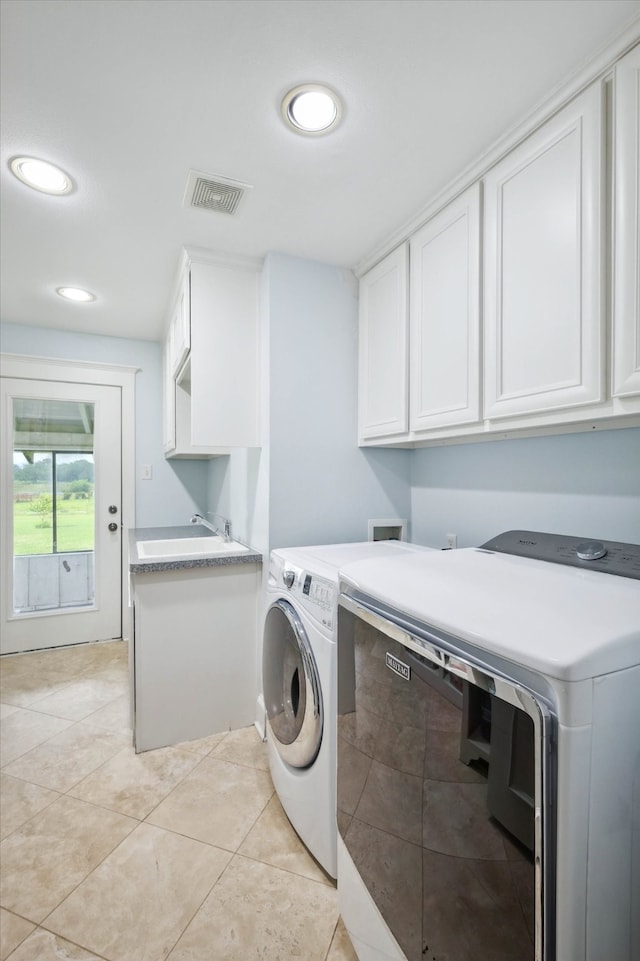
(289, 578)
(591, 550)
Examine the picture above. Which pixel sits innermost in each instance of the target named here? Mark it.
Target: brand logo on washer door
(398, 667)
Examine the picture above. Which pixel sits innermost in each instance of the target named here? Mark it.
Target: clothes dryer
(488, 752)
(299, 673)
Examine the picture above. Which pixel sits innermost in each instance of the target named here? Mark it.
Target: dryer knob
(591, 550)
(289, 578)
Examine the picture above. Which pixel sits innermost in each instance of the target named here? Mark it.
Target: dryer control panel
(608, 557)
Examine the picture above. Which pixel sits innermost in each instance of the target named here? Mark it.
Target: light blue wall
(587, 485)
(319, 487)
(322, 487)
(177, 488)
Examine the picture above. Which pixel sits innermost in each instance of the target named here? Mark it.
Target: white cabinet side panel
(626, 290)
(382, 388)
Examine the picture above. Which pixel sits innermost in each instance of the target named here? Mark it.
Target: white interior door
(61, 540)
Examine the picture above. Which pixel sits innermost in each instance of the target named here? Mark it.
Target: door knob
(113, 509)
(113, 526)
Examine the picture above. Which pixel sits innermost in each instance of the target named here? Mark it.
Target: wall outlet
(146, 472)
(452, 541)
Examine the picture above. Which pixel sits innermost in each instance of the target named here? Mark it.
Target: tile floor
(182, 854)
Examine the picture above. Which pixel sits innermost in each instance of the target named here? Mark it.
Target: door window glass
(53, 504)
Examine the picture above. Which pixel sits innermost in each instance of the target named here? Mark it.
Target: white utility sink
(188, 547)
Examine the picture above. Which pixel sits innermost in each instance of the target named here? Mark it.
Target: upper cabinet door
(544, 319)
(444, 332)
(626, 284)
(382, 377)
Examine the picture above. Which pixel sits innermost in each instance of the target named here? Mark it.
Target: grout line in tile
(177, 784)
(329, 883)
(78, 720)
(20, 826)
(40, 743)
(332, 938)
(82, 880)
(63, 937)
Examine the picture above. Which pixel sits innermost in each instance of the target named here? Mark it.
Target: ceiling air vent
(210, 192)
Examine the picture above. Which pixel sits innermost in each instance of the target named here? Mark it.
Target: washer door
(291, 686)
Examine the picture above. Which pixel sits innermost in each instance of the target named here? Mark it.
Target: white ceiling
(128, 95)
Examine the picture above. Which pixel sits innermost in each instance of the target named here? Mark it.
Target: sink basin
(181, 547)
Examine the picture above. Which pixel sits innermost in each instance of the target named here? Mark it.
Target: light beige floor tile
(259, 913)
(202, 745)
(49, 855)
(13, 930)
(7, 709)
(20, 801)
(243, 747)
(33, 662)
(273, 840)
(116, 716)
(135, 905)
(24, 730)
(134, 784)
(80, 698)
(44, 946)
(67, 758)
(25, 678)
(82, 659)
(341, 948)
(217, 803)
(117, 674)
(27, 691)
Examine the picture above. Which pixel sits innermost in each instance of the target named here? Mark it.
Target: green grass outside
(75, 528)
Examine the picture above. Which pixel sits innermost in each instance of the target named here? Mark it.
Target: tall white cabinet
(211, 359)
(543, 267)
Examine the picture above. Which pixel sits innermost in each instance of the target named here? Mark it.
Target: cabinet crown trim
(597, 69)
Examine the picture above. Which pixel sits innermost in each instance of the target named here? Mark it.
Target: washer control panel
(609, 557)
(318, 594)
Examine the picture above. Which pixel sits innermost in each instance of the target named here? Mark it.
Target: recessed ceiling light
(76, 294)
(41, 175)
(312, 109)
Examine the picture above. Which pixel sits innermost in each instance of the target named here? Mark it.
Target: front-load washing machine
(299, 676)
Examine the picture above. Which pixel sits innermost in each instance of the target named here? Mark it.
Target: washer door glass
(291, 686)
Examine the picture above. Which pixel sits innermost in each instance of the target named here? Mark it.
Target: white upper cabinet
(224, 355)
(626, 233)
(382, 380)
(543, 270)
(444, 330)
(211, 361)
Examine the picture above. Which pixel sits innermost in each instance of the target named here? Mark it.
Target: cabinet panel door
(626, 290)
(544, 319)
(382, 380)
(444, 332)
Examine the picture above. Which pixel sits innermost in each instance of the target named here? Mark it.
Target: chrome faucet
(224, 531)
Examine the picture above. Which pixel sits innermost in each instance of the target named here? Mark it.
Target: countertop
(149, 566)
